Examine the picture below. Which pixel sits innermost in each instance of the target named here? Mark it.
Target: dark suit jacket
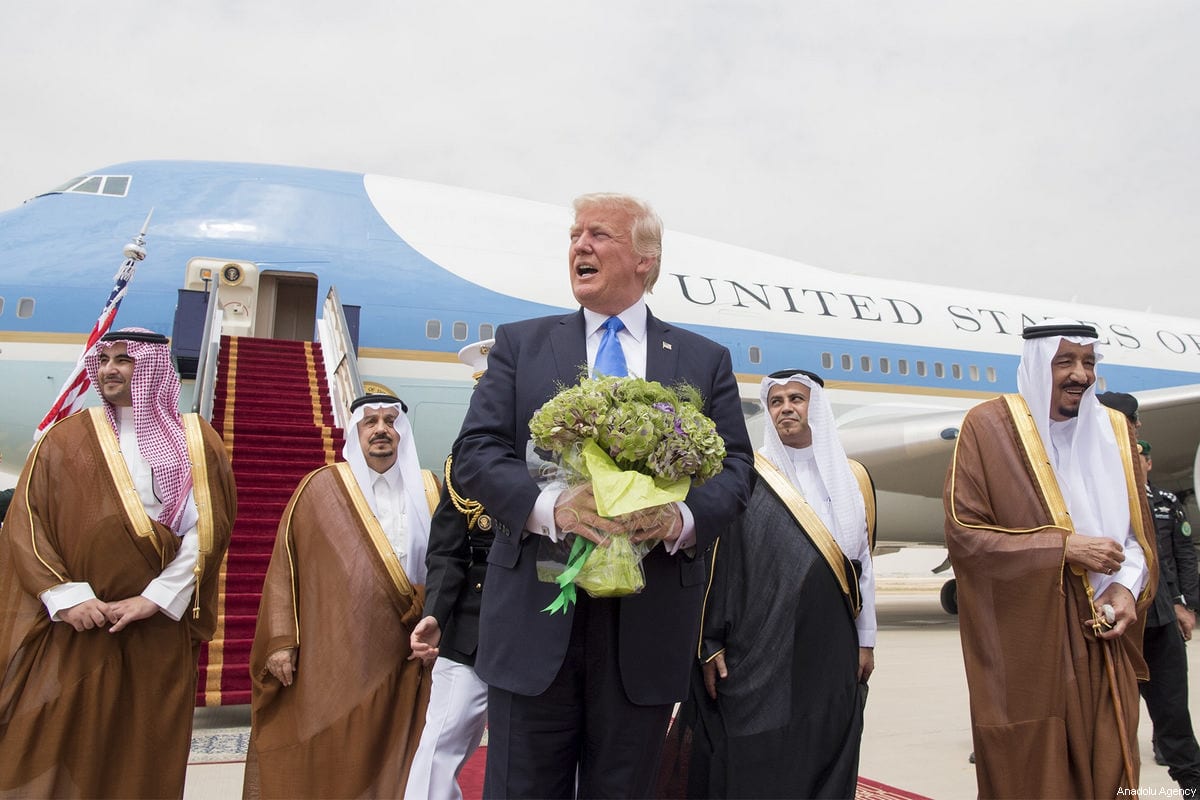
(520, 647)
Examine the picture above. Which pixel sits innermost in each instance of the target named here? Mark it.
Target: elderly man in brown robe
(338, 700)
(1053, 549)
(109, 561)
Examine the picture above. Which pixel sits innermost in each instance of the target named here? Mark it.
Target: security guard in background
(1169, 623)
(460, 537)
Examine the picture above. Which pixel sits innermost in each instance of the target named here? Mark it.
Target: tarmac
(918, 733)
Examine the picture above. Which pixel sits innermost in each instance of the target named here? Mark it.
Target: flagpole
(72, 396)
(136, 250)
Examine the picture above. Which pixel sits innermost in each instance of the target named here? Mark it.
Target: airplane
(424, 269)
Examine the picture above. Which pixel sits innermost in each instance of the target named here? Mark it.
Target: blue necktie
(610, 358)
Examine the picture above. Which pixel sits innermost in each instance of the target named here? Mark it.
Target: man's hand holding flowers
(575, 512)
(658, 523)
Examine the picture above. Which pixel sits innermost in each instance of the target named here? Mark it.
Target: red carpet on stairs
(272, 408)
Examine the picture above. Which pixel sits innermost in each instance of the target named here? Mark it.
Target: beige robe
(349, 724)
(94, 714)
(1043, 709)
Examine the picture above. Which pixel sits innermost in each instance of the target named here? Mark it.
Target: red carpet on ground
(470, 780)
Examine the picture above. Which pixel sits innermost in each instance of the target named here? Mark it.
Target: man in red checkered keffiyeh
(110, 557)
(151, 392)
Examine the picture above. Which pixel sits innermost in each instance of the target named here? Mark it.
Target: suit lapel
(570, 347)
(662, 357)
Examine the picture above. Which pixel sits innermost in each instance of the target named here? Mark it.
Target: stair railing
(341, 364)
(210, 350)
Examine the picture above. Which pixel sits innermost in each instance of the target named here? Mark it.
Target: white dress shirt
(393, 510)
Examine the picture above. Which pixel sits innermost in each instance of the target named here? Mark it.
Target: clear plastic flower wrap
(638, 447)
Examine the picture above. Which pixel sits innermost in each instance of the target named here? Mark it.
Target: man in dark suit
(579, 702)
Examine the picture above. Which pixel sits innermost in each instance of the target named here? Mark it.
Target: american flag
(73, 395)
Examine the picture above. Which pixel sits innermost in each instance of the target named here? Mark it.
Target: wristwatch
(1181, 600)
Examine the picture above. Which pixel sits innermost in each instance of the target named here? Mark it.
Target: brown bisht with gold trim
(349, 724)
(94, 714)
(1054, 710)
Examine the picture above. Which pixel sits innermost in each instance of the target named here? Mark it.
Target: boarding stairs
(271, 405)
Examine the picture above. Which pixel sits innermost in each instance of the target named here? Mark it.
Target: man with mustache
(1053, 548)
(338, 700)
(579, 702)
(787, 647)
(109, 569)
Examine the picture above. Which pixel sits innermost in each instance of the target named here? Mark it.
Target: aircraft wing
(907, 450)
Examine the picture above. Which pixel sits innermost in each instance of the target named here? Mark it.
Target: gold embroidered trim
(374, 530)
(1121, 430)
(29, 507)
(432, 490)
(826, 545)
(135, 512)
(1045, 462)
(712, 569)
(1043, 471)
(202, 495)
(287, 533)
(471, 509)
(867, 489)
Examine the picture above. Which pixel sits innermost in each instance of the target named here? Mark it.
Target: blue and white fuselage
(434, 267)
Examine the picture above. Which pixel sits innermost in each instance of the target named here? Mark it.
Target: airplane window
(885, 365)
(826, 360)
(847, 362)
(433, 329)
(459, 331)
(865, 361)
(116, 185)
(902, 366)
(90, 186)
(921, 369)
(1, 305)
(486, 330)
(974, 370)
(991, 374)
(755, 354)
(956, 372)
(938, 370)
(25, 308)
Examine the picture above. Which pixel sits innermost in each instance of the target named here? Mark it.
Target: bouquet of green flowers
(641, 446)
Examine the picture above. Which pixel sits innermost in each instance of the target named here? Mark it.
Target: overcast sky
(1039, 147)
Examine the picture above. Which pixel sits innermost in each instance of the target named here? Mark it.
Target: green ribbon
(580, 550)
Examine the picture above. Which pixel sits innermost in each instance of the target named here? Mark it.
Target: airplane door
(287, 306)
(269, 304)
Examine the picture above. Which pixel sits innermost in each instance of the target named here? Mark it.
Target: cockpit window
(110, 185)
(116, 185)
(67, 185)
(89, 186)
